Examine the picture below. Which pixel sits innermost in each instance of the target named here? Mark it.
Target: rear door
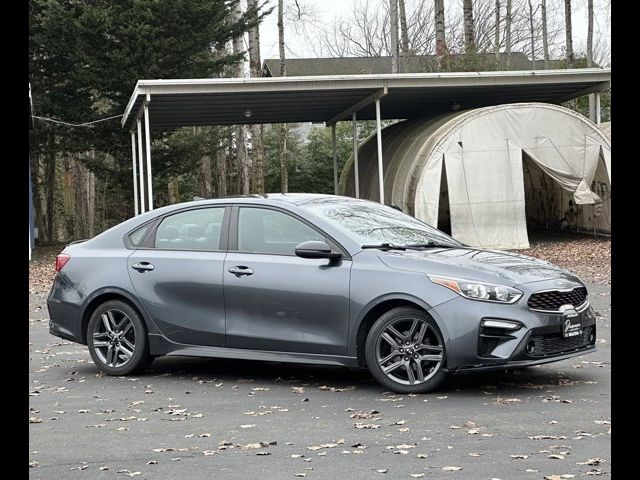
(178, 276)
(275, 300)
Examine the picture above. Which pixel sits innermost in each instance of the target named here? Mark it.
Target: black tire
(435, 370)
(97, 334)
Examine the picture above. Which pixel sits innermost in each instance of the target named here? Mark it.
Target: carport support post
(147, 141)
(597, 108)
(141, 164)
(379, 139)
(335, 159)
(135, 172)
(355, 155)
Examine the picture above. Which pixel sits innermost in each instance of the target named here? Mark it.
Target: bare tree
(402, 11)
(282, 143)
(507, 21)
(469, 37)
(545, 33)
(393, 15)
(257, 131)
(532, 13)
(568, 32)
(441, 45)
(496, 34)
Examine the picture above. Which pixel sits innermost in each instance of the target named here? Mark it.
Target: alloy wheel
(114, 338)
(409, 351)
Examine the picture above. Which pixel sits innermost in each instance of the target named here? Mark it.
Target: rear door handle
(142, 267)
(241, 271)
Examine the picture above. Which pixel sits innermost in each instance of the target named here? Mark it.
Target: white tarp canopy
(606, 128)
(498, 168)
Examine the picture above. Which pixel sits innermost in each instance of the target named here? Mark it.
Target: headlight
(487, 292)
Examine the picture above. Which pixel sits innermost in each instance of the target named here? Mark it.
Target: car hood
(484, 265)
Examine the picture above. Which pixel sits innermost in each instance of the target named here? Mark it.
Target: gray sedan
(313, 279)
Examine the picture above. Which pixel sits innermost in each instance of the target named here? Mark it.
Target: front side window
(191, 230)
(261, 230)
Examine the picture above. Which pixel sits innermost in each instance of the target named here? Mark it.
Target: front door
(178, 277)
(277, 301)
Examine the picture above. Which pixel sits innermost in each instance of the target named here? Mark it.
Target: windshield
(370, 223)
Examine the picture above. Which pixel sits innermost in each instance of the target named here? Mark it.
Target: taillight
(61, 261)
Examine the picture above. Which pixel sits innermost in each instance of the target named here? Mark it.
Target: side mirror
(315, 249)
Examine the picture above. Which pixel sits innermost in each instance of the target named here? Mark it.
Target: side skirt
(160, 345)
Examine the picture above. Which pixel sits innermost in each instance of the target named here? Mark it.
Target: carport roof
(330, 98)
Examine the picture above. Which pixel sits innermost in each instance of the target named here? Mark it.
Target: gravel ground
(204, 418)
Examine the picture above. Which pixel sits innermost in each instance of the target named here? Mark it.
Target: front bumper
(539, 340)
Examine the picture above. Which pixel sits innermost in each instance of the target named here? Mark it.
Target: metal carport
(166, 104)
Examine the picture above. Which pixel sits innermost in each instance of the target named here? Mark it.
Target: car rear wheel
(117, 339)
(405, 351)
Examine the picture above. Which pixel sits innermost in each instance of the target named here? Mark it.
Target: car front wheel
(117, 339)
(405, 351)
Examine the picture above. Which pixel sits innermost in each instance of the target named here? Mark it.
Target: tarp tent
(489, 172)
(606, 128)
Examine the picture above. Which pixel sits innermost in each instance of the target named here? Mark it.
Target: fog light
(531, 346)
(504, 324)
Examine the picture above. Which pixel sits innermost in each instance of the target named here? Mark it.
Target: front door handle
(241, 271)
(142, 267)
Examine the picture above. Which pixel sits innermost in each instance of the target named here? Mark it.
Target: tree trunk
(496, 35)
(91, 202)
(173, 190)
(469, 34)
(283, 62)
(393, 25)
(507, 34)
(568, 32)
(532, 38)
(257, 145)
(241, 146)
(592, 98)
(441, 43)
(204, 176)
(221, 160)
(282, 143)
(402, 13)
(284, 164)
(590, 33)
(51, 188)
(545, 33)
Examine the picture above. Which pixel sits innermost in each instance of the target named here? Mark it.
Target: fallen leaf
(519, 457)
(591, 461)
(451, 469)
(382, 470)
(334, 389)
(416, 475)
(368, 426)
(556, 457)
(152, 462)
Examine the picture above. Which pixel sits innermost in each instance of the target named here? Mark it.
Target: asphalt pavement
(189, 418)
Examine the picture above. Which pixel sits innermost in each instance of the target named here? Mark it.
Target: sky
(326, 10)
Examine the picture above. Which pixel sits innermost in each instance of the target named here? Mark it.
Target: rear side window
(135, 238)
(191, 230)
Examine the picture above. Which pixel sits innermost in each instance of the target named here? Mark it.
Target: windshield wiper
(431, 245)
(385, 246)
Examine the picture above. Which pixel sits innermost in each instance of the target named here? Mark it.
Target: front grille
(555, 343)
(553, 300)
